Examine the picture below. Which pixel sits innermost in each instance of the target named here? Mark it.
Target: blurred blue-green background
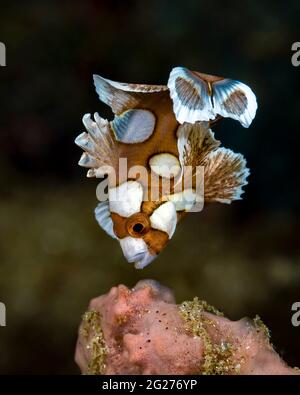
(243, 258)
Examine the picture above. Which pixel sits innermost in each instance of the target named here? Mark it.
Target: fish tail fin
(202, 97)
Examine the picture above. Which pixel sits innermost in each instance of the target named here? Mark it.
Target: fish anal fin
(195, 142)
(225, 173)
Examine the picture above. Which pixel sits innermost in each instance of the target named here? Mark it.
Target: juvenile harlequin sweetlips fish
(157, 133)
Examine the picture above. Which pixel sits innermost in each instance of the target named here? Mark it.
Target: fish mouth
(146, 259)
(136, 257)
(136, 251)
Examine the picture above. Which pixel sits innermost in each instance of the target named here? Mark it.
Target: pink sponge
(143, 331)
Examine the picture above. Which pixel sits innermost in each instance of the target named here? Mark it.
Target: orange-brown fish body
(158, 132)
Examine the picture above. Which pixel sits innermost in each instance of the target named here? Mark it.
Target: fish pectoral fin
(100, 148)
(103, 217)
(225, 173)
(121, 96)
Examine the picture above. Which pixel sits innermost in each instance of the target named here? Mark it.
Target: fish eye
(138, 224)
(138, 228)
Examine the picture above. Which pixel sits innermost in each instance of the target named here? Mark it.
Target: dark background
(243, 258)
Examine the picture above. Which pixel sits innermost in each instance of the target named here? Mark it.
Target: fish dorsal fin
(201, 97)
(225, 173)
(100, 151)
(103, 217)
(121, 96)
(133, 126)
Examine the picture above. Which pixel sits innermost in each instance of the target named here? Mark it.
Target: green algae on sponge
(92, 333)
(218, 358)
(261, 326)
